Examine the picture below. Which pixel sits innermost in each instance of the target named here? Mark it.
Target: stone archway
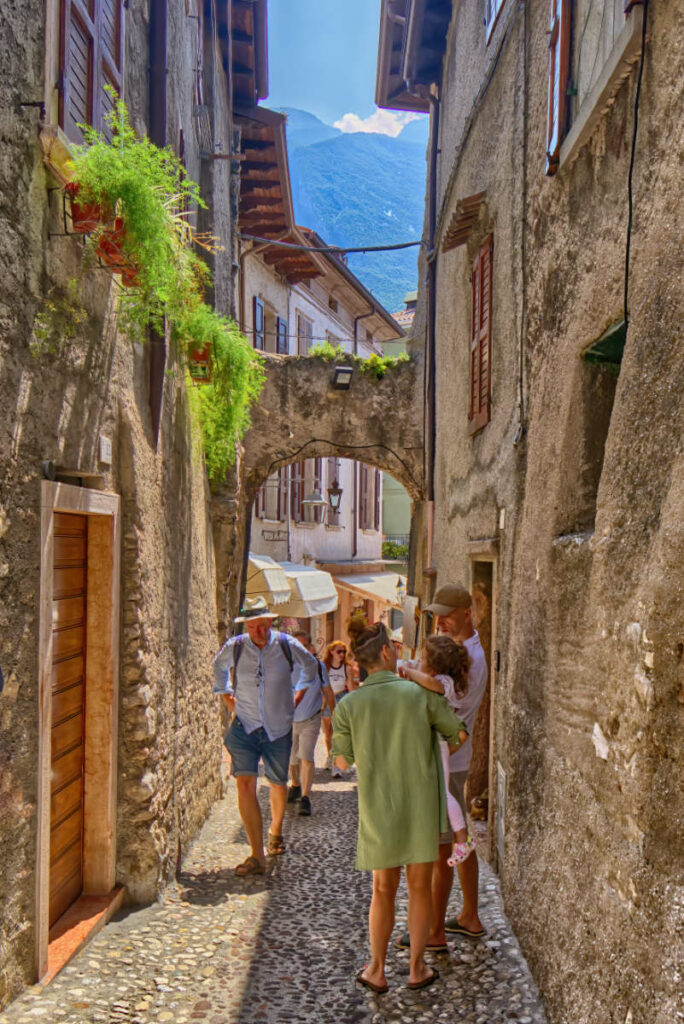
(300, 416)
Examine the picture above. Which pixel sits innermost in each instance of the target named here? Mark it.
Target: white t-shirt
(338, 678)
(468, 706)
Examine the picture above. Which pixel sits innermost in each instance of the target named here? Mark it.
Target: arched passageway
(301, 416)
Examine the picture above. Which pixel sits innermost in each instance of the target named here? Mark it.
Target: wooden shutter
(91, 57)
(260, 502)
(304, 335)
(258, 324)
(281, 508)
(376, 501)
(363, 496)
(318, 486)
(297, 491)
(559, 64)
(281, 337)
(481, 333)
(333, 474)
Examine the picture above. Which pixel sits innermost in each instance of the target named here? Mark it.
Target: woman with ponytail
(386, 728)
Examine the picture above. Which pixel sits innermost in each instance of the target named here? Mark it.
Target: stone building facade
(554, 460)
(101, 475)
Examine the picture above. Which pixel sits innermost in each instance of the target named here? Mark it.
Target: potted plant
(86, 216)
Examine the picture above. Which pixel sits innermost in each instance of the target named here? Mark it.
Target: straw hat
(254, 608)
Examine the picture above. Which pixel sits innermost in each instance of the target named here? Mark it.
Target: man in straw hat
(262, 697)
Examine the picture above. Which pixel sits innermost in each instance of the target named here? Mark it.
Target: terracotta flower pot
(199, 363)
(110, 250)
(85, 217)
(110, 245)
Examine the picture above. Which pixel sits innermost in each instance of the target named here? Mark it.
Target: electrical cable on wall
(630, 176)
(333, 250)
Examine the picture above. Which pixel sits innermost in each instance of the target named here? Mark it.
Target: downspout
(355, 518)
(363, 316)
(430, 368)
(158, 46)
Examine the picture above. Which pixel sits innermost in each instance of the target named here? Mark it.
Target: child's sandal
(461, 852)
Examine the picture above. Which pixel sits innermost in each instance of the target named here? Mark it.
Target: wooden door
(68, 707)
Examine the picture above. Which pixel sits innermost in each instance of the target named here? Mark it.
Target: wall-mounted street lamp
(334, 496)
(341, 378)
(315, 500)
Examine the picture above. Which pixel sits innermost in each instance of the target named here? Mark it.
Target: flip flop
(378, 989)
(430, 980)
(404, 942)
(251, 866)
(454, 928)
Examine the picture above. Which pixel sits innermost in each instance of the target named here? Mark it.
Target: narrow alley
(279, 948)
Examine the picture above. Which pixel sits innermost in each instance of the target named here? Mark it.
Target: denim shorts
(247, 749)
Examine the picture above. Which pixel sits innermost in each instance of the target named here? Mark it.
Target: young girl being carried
(443, 669)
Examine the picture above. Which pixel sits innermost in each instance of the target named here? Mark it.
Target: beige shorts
(304, 737)
(457, 781)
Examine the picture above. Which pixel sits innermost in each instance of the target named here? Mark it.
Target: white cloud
(383, 122)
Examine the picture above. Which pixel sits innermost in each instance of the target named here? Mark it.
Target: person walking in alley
(262, 697)
(342, 682)
(387, 728)
(306, 726)
(453, 607)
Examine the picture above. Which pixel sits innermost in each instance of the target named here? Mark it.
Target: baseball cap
(449, 597)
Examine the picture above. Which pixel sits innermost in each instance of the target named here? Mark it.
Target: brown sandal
(251, 866)
(276, 845)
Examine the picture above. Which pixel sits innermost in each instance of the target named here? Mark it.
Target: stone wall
(588, 700)
(55, 407)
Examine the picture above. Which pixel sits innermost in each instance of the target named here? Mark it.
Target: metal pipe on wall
(430, 367)
(158, 47)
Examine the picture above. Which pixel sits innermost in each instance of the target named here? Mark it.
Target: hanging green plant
(149, 240)
(375, 365)
(235, 380)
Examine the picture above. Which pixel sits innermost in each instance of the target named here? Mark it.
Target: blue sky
(322, 57)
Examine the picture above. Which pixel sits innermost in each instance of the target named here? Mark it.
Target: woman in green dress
(389, 728)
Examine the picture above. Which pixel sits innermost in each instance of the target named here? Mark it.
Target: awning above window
(381, 586)
(265, 578)
(312, 591)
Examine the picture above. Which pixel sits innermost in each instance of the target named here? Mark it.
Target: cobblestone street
(280, 947)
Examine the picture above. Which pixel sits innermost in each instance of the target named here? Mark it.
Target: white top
(338, 678)
(468, 706)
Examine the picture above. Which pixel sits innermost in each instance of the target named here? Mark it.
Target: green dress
(389, 728)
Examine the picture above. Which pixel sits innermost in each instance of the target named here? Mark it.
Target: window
(332, 303)
(559, 58)
(259, 324)
(492, 8)
(271, 499)
(592, 47)
(91, 57)
(481, 337)
(304, 335)
(282, 347)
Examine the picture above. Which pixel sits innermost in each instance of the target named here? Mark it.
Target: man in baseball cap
(452, 606)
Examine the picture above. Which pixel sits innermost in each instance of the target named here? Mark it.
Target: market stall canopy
(265, 578)
(312, 591)
(381, 586)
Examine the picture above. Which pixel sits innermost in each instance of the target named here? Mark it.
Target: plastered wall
(588, 701)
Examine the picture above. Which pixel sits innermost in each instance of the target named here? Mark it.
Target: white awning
(265, 578)
(312, 591)
(380, 586)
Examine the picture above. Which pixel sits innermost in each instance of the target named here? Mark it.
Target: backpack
(284, 646)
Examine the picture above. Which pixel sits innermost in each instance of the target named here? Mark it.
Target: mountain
(304, 129)
(416, 131)
(361, 189)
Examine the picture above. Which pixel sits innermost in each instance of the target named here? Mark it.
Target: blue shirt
(311, 702)
(264, 690)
